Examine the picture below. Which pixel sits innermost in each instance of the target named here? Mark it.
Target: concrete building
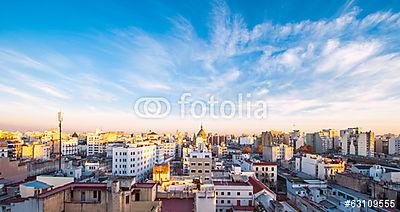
(278, 152)
(169, 149)
(200, 164)
(162, 173)
(266, 172)
(246, 140)
(133, 160)
(91, 166)
(78, 196)
(70, 146)
(33, 188)
(355, 142)
(296, 139)
(233, 195)
(205, 199)
(4, 149)
(36, 151)
(319, 167)
(160, 154)
(94, 144)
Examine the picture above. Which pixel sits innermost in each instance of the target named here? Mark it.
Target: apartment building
(133, 160)
(94, 144)
(200, 164)
(69, 146)
(319, 167)
(88, 196)
(355, 142)
(233, 196)
(266, 172)
(278, 152)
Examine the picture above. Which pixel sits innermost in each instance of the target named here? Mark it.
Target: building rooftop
(258, 185)
(243, 208)
(350, 191)
(144, 185)
(230, 183)
(177, 205)
(264, 163)
(37, 184)
(74, 185)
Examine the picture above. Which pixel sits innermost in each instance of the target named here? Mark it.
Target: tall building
(322, 141)
(266, 139)
(133, 160)
(278, 152)
(200, 164)
(355, 142)
(319, 167)
(94, 143)
(70, 146)
(234, 196)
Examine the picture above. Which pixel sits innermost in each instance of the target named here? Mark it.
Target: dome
(201, 133)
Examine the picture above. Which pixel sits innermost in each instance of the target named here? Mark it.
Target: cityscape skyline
(315, 69)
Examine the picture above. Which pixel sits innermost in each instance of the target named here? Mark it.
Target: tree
(259, 149)
(247, 149)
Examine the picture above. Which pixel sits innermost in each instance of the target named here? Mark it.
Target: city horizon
(259, 69)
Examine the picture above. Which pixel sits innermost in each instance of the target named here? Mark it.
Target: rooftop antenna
(60, 119)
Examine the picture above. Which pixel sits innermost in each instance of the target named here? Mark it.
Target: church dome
(202, 133)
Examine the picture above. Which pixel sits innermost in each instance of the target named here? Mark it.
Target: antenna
(60, 119)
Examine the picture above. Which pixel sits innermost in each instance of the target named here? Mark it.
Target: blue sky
(318, 64)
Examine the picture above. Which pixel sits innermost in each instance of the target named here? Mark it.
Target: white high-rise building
(133, 160)
(318, 166)
(355, 142)
(94, 144)
(233, 196)
(160, 151)
(393, 145)
(169, 149)
(70, 146)
(278, 152)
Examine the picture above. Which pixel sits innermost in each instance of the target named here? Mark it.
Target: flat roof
(144, 185)
(350, 191)
(37, 184)
(230, 183)
(176, 204)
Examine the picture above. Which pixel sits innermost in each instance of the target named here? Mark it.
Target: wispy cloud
(310, 69)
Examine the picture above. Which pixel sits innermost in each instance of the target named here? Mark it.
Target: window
(199, 164)
(238, 193)
(222, 193)
(222, 201)
(250, 193)
(192, 171)
(83, 196)
(127, 199)
(228, 201)
(94, 194)
(200, 171)
(229, 193)
(206, 164)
